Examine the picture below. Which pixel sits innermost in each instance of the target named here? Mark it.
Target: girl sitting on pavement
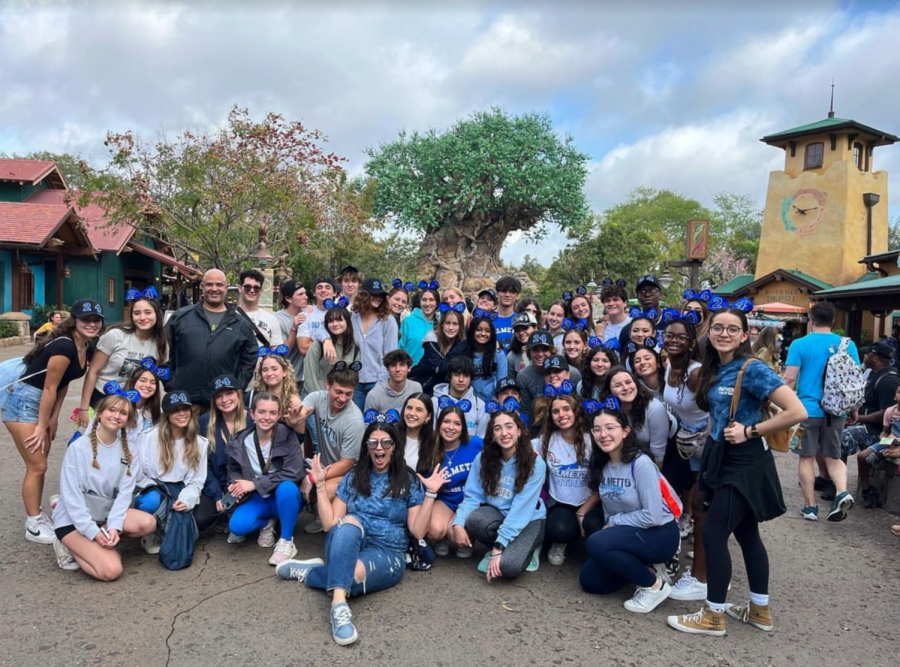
(376, 503)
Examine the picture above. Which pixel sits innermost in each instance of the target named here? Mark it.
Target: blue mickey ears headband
(611, 344)
(343, 366)
(743, 304)
(580, 325)
(704, 295)
(651, 314)
(447, 402)
(460, 307)
(162, 372)
(433, 284)
(581, 290)
(649, 344)
(510, 405)
(492, 316)
(612, 403)
(407, 286)
(372, 416)
(113, 388)
(565, 389)
(342, 302)
(135, 294)
(608, 282)
(280, 351)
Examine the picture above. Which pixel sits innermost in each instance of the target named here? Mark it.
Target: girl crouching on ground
(264, 463)
(376, 503)
(502, 507)
(96, 485)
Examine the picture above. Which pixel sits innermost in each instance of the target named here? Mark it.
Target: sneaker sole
(758, 626)
(683, 597)
(37, 539)
(306, 529)
(809, 517)
(276, 564)
(346, 642)
(556, 561)
(840, 512)
(672, 622)
(644, 610)
(464, 552)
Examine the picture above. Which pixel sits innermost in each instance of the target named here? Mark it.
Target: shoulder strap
(263, 464)
(260, 336)
(736, 397)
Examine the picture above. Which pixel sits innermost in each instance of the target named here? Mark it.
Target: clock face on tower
(803, 211)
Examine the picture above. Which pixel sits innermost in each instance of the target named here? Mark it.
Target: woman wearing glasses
(376, 503)
(737, 471)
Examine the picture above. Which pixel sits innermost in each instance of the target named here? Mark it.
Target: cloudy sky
(667, 94)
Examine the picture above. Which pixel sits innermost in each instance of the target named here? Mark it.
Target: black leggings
(205, 512)
(730, 513)
(562, 524)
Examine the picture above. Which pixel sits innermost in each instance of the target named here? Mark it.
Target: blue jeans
(619, 555)
(148, 501)
(22, 403)
(255, 512)
(359, 394)
(346, 544)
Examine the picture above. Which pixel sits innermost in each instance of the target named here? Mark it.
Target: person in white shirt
(268, 330)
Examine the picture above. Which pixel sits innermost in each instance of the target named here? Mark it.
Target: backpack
(843, 385)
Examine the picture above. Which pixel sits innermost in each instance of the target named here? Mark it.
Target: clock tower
(828, 207)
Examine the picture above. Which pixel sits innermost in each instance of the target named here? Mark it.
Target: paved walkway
(834, 599)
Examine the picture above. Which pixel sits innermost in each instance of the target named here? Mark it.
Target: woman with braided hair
(96, 485)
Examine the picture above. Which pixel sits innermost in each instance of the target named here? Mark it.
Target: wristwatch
(754, 432)
(499, 547)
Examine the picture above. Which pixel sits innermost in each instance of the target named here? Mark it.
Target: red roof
(93, 216)
(31, 224)
(28, 171)
(188, 271)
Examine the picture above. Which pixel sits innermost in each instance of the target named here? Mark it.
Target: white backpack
(844, 385)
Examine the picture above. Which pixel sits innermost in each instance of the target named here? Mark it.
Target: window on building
(858, 156)
(815, 154)
(26, 290)
(111, 297)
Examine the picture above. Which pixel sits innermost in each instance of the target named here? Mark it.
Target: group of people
(414, 422)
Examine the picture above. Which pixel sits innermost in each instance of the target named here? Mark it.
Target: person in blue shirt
(737, 471)
(419, 323)
(489, 360)
(508, 290)
(502, 507)
(453, 448)
(376, 503)
(806, 362)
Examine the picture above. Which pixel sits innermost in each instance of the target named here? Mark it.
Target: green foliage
(492, 167)
(736, 226)
(8, 329)
(894, 234)
(40, 314)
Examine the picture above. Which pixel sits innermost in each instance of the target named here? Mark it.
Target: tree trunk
(464, 254)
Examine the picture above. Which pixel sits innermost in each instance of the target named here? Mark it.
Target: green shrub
(40, 314)
(8, 329)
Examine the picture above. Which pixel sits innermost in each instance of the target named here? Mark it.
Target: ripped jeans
(346, 544)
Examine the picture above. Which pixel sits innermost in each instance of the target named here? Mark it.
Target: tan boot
(704, 622)
(756, 615)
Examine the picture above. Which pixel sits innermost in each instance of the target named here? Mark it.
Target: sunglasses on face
(251, 288)
(386, 443)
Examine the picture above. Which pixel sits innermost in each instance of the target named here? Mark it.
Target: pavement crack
(204, 600)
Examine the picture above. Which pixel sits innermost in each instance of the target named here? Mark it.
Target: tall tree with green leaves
(465, 190)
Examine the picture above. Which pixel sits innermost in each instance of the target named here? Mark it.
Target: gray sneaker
(342, 628)
(314, 526)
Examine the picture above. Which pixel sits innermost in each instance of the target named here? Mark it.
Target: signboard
(697, 239)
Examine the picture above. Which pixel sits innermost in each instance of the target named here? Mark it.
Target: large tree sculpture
(468, 188)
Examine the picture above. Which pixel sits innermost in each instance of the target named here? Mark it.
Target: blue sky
(664, 94)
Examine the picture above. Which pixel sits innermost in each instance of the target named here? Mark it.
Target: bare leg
(99, 563)
(837, 471)
(807, 475)
(823, 467)
(35, 467)
(441, 520)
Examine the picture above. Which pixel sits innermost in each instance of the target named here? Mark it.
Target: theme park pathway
(834, 598)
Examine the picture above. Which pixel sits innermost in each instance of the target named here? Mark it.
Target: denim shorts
(22, 403)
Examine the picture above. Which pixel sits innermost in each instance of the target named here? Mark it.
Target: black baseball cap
(325, 279)
(489, 293)
(287, 289)
(349, 269)
(525, 319)
(373, 286)
(87, 308)
(556, 363)
(224, 382)
(175, 399)
(539, 338)
(882, 350)
(505, 383)
(648, 280)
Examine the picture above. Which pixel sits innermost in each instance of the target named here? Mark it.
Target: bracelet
(495, 556)
(430, 494)
(745, 433)
(580, 515)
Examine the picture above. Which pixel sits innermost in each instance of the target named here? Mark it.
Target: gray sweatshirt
(382, 398)
(79, 477)
(631, 495)
(381, 338)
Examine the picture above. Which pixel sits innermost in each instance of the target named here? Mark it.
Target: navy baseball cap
(505, 383)
(176, 399)
(87, 308)
(556, 363)
(540, 337)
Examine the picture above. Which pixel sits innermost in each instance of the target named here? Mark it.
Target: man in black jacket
(208, 340)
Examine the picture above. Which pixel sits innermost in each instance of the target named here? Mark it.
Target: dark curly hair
(399, 476)
(492, 457)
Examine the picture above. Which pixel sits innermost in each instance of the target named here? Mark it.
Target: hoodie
(518, 509)
(412, 333)
(382, 398)
(432, 367)
(476, 417)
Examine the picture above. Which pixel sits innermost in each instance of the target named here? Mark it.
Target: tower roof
(830, 125)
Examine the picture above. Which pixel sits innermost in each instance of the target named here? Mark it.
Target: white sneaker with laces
(235, 539)
(284, 550)
(688, 588)
(64, 557)
(39, 530)
(151, 544)
(266, 538)
(646, 600)
(556, 554)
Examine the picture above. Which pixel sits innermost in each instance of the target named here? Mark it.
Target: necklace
(450, 458)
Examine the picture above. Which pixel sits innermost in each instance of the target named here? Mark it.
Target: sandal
(895, 529)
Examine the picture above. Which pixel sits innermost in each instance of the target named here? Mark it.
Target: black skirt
(749, 468)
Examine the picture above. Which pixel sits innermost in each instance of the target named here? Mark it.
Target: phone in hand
(105, 532)
(229, 501)
(887, 442)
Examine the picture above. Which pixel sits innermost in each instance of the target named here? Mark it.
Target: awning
(187, 271)
(779, 307)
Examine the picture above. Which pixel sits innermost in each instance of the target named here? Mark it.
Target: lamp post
(264, 259)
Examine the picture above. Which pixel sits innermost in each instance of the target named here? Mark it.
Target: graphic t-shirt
(458, 464)
(504, 328)
(568, 478)
(339, 435)
(268, 325)
(125, 351)
(382, 516)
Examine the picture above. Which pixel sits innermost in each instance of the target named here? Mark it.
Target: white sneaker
(688, 588)
(646, 600)
(151, 544)
(54, 501)
(284, 550)
(266, 538)
(690, 554)
(442, 548)
(64, 557)
(685, 526)
(235, 539)
(313, 527)
(39, 530)
(661, 571)
(556, 554)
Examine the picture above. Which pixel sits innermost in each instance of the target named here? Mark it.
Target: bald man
(208, 340)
